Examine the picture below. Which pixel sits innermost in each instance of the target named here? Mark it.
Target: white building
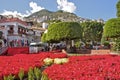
(44, 25)
(15, 31)
(38, 33)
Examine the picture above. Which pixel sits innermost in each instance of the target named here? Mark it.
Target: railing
(3, 49)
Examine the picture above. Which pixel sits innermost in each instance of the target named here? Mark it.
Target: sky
(91, 9)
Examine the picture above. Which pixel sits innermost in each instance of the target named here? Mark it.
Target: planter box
(100, 51)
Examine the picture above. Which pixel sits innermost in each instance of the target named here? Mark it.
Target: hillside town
(18, 31)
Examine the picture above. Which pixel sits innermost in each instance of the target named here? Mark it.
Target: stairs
(3, 50)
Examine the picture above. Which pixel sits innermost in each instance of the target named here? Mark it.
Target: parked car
(36, 47)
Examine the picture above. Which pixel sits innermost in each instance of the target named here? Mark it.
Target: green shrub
(116, 45)
(106, 43)
(21, 74)
(77, 44)
(31, 74)
(37, 73)
(10, 77)
(44, 77)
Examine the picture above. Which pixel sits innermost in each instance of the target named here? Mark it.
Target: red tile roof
(13, 20)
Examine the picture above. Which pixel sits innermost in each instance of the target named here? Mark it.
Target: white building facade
(18, 33)
(15, 32)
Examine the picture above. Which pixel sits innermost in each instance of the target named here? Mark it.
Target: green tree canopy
(92, 31)
(112, 28)
(43, 38)
(63, 31)
(118, 8)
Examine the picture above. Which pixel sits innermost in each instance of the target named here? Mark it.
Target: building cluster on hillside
(16, 32)
(63, 19)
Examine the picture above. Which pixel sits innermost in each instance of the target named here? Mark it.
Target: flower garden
(102, 67)
(59, 66)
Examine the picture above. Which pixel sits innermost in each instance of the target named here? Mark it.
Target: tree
(43, 38)
(118, 8)
(112, 31)
(92, 31)
(63, 31)
(112, 28)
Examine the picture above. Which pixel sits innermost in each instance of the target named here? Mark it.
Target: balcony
(22, 32)
(10, 31)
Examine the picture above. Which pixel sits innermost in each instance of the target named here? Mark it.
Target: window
(2, 27)
(11, 27)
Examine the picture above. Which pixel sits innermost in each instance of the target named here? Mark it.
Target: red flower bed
(104, 67)
(13, 64)
(18, 50)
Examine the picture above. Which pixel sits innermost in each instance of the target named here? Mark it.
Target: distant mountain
(45, 15)
(41, 13)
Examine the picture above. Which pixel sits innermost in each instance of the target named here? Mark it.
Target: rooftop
(13, 20)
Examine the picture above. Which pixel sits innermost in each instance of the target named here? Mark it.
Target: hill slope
(45, 15)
